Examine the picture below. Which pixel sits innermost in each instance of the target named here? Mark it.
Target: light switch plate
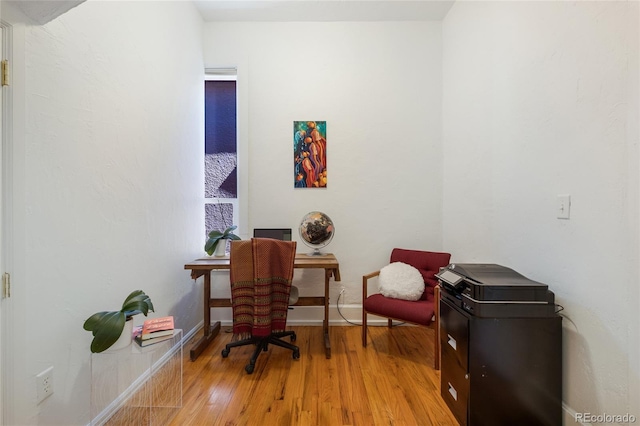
(563, 206)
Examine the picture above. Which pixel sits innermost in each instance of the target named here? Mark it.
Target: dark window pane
(220, 149)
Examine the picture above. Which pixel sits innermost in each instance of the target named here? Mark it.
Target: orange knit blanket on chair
(261, 275)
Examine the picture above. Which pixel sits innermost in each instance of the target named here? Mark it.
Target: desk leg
(325, 323)
(209, 331)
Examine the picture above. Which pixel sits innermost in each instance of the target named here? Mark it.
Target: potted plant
(214, 239)
(108, 326)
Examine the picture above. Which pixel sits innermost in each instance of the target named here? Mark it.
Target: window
(221, 205)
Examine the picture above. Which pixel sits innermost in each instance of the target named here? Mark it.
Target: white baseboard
(313, 316)
(569, 416)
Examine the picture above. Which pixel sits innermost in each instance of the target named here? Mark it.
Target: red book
(157, 327)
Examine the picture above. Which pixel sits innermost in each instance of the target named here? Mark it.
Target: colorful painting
(310, 154)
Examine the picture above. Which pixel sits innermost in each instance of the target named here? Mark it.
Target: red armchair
(423, 312)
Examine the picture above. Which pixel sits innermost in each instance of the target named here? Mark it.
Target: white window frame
(240, 204)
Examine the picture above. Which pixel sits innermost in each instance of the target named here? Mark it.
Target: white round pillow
(401, 281)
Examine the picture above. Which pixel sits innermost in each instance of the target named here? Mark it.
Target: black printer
(500, 346)
(490, 290)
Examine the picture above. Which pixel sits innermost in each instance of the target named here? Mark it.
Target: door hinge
(6, 285)
(5, 72)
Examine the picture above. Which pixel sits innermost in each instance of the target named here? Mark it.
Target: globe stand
(316, 252)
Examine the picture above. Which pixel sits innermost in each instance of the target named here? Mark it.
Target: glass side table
(137, 385)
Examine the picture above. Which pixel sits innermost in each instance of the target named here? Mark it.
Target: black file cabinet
(501, 371)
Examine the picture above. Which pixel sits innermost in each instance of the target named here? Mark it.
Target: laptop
(283, 234)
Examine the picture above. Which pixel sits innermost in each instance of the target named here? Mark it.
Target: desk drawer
(454, 334)
(454, 388)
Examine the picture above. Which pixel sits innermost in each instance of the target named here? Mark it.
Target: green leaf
(214, 234)
(94, 321)
(110, 328)
(133, 294)
(228, 231)
(233, 237)
(149, 304)
(137, 301)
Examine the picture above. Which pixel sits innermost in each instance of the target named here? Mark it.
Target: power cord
(353, 323)
(340, 312)
(559, 310)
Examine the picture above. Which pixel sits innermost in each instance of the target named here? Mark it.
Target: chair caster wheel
(293, 338)
(296, 354)
(249, 368)
(225, 353)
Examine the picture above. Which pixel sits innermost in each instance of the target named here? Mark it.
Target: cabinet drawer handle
(453, 391)
(451, 341)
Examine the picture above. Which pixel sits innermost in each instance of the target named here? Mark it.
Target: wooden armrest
(365, 279)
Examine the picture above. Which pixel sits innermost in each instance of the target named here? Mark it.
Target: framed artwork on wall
(310, 154)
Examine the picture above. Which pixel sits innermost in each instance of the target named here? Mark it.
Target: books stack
(154, 330)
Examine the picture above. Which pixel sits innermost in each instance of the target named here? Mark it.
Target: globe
(316, 231)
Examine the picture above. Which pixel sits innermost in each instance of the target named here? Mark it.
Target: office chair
(283, 234)
(261, 275)
(424, 311)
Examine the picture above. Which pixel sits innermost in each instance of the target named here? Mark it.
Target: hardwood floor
(391, 382)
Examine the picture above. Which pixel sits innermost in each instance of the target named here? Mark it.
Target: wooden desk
(203, 267)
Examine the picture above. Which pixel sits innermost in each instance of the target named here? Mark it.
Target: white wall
(378, 86)
(107, 183)
(541, 99)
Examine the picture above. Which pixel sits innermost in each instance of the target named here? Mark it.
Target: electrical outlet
(44, 384)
